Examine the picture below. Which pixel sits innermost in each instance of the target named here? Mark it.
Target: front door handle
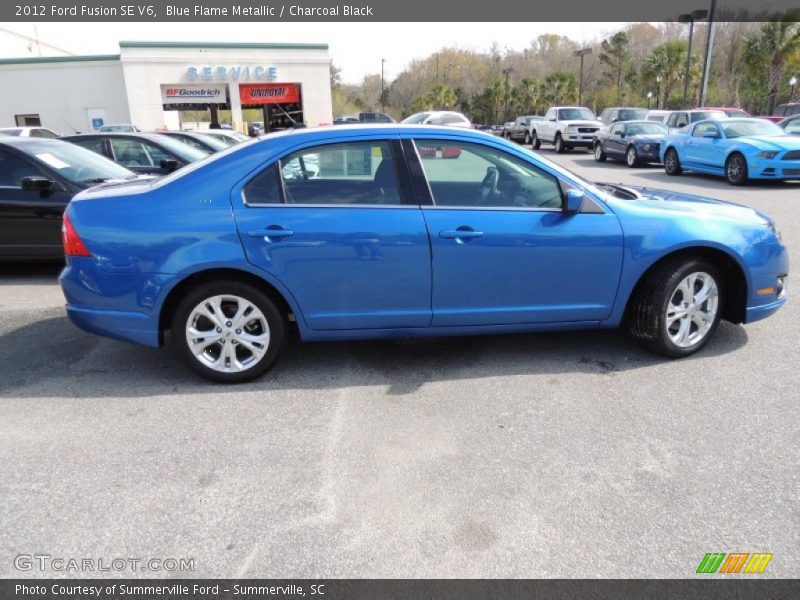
(462, 233)
(273, 231)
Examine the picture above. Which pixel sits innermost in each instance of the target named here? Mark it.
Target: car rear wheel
(558, 144)
(228, 331)
(535, 141)
(736, 169)
(599, 155)
(631, 158)
(677, 307)
(672, 164)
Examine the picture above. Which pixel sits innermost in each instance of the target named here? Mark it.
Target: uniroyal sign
(193, 94)
(269, 93)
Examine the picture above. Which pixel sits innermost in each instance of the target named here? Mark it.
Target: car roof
(117, 134)
(381, 129)
(638, 122)
(13, 140)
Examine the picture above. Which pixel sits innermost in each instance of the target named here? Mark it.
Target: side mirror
(574, 201)
(36, 183)
(551, 119)
(712, 135)
(169, 164)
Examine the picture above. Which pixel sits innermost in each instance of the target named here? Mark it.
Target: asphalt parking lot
(548, 455)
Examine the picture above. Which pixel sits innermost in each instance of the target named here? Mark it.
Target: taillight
(73, 244)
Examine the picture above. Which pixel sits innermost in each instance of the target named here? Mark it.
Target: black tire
(536, 143)
(527, 139)
(631, 157)
(276, 322)
(736, 169)
(647, 311)
(558, 144)
(599, 155)
(672, 164)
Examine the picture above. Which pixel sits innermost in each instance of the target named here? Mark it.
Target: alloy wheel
(692, 309)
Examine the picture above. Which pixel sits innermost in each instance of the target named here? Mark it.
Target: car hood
(582, 123)
(682, 204)
(772, 142)
(648, 138)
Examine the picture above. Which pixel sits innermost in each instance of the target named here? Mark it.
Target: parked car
(635, 142)
(622, 113)
(119, 128)
(363, 117)
(38, 178)
(737, 149)
(519, 130)
(566, 127)
(34, 132)
(730, 111)
(546, 250)
(146, 153)
(230, 137)
(682, 118)
(346, 120)
(783, 111)
(438, 117)
(255, 128)
(657, 115)
(200, 140)
(498, 130)
(791, 125)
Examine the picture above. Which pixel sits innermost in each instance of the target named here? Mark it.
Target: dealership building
(149, 84)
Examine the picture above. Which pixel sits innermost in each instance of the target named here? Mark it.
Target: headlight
(569, 129)
(767, 154)
(647, 147)
(774, 229)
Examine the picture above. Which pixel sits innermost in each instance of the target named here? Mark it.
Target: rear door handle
(460, 234)
(273, 231)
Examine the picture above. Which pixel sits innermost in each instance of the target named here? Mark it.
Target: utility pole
(507, 71)
(690, 18)
(582, 52)
(709, 49)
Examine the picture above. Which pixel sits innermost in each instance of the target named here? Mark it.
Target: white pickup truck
(565, 127)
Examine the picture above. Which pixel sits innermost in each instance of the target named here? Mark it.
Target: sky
(356, 48)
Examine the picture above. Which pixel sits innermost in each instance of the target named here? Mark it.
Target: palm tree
(666, 61)
(526, 95)
(560, 87)
(778, 41)
(442, 97)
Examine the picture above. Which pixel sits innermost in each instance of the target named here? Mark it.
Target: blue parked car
(738, 149)
(635, 142)
(352, 234)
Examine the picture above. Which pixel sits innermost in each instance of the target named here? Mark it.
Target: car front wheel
(228, 331)
(736, 169)
(631, 158)
(677, 307)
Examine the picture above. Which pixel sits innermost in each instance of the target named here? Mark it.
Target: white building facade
(149, 83)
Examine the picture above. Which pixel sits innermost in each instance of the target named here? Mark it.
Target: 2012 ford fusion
(370, 232)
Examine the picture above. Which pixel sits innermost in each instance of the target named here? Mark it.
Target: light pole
(658, 91)
(582, 52)
(690, 18)
(792, 83)
(709, 48)
(507, 71)
(383, 109)
(649, 96)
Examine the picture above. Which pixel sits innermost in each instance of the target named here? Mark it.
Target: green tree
(442, 97)
(667, 62)
(768, 53)
(526, 95)
(561, 87)
(616, 56)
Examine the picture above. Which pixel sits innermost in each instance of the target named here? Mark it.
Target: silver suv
(565, 127)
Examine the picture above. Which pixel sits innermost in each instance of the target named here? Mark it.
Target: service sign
(269, 93)
(187, 93)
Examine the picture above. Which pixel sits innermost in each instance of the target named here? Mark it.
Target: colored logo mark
(735, 562)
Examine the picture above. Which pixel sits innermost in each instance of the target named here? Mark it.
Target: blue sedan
(401, 231)
(737, 149)
(635, 142)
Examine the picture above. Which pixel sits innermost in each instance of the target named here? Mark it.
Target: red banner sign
(269, 93)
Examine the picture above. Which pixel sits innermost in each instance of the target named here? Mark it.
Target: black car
(196, 139)
(146, 153)
(791, 125)
(38, 178)
(615, 114)
(635, 142)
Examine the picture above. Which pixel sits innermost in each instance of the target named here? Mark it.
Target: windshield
(117, 128)
(75, 164)
(632, 114)
(735, 129)
(212, 141)
(179, 149)
(231, 137)
(702, 115)
(649, 128)
(417, 118)
(575, 114)
(209, 158)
